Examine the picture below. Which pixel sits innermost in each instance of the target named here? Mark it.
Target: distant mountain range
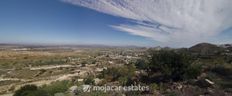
(197, 47)
(3, 45)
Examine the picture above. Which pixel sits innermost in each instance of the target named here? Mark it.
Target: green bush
(122, 74)
(89, 80)
(57, 87)
(141, 64)
(174, 66)
(224, 70)
(30, 90)
(193, 71)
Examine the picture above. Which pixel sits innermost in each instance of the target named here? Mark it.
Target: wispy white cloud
(167, 21)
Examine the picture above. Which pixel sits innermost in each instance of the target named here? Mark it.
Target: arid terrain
(20, 65)
(201, 70)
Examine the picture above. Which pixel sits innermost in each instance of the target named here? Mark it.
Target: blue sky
(56, 22)
(75, 22)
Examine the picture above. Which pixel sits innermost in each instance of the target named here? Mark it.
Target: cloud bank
(181, 22)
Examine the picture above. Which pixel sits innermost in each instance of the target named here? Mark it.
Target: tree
(173, 65)
(141, 64)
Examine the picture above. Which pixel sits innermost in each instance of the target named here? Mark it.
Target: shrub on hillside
(223, 69)
(30, 90)
(122, 74)
(57, 87)
(192, 71)
(172, 65)
(141, 64)
(89, 80)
